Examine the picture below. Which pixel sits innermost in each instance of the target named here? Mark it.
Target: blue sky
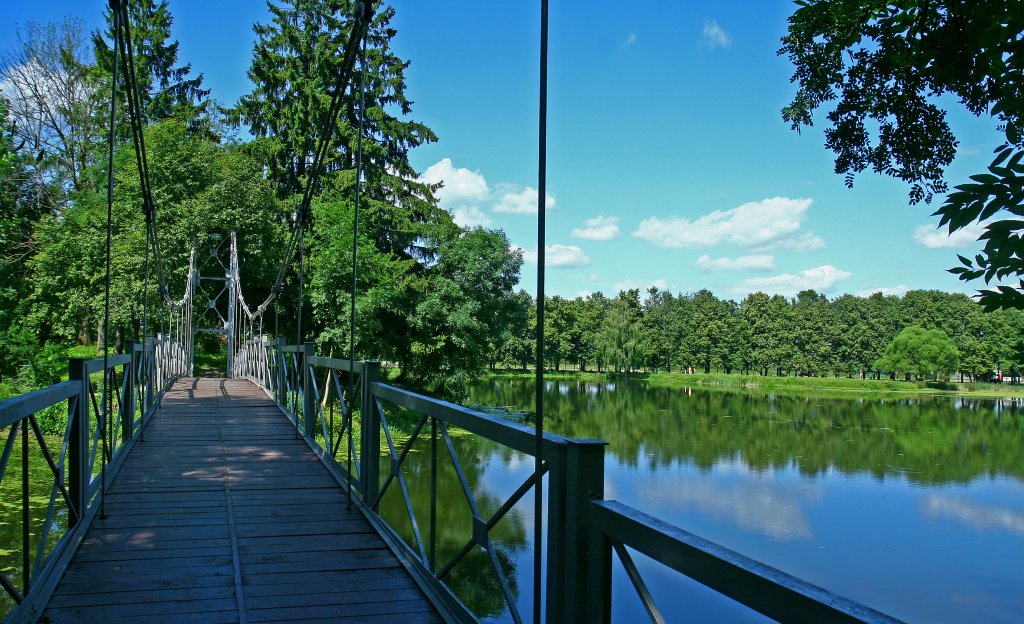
(669, 163)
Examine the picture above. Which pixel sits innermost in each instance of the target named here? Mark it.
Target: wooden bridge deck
(221, 515)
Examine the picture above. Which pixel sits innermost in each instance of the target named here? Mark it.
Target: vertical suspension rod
(538, 502)
(105, 412)
(355, 259)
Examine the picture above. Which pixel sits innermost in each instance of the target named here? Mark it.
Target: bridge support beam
(369, 455)
(579, 567)
(79, 473)
(308, 386)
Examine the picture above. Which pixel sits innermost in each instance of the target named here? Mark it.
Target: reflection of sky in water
(978, 517)
(752, 501)
(900, 539)
(919, 553)
(926, 554)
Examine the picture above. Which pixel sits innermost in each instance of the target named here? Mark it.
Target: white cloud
(767, 222)
(599, 228)
(808, 241)
(934, 238)
(470, 216)
(628, 41)
(512, 199)
(820, 279)
(898, 291)
(630, 284)
(743, 263)
(714, 35)
(558, 256)
(461, 186)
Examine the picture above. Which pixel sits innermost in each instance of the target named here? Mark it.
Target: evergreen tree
(296, 61)
(164, 86)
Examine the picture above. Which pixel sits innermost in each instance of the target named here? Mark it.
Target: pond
(913, 506)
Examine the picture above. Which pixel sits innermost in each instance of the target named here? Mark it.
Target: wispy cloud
(935, 238)
(714, 35)
(808, 241)
(600, 228)
(628, 41)
(521, 200)
(470, 199)
(742, 263)
(558, 256)
(821, 279)
(771, 222)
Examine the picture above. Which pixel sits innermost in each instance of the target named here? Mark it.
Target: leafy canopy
(880, 69)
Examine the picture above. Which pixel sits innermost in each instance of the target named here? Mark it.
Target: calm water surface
(912, 506)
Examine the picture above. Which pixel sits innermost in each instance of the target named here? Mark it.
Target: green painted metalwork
(77, 467)
(582, 531)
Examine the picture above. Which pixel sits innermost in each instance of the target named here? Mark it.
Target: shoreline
(833, 386)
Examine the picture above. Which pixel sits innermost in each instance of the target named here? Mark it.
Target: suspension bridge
(257, 497)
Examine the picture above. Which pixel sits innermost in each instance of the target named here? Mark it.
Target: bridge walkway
(222, 515)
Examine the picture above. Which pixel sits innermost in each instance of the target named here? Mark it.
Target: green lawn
(831, 385)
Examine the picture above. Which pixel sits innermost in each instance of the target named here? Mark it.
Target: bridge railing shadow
(59, 480)
(343, 411)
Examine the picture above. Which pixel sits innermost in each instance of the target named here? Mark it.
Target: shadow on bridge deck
(221, 515)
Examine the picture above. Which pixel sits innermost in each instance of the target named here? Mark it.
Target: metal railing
(78, 467)
(581, 530)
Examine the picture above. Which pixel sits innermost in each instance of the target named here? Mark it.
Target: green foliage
(198, 186)
(921, 352)
(808, 335)
(463, 310)
(165, 88)
(881, 68)
(296, 61)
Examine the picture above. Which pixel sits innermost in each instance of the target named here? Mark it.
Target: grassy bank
(828, 385)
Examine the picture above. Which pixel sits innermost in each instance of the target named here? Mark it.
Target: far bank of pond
(831, 386)
(910, 503)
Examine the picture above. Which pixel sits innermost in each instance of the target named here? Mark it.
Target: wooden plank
(221, 465)
(397, 610)
(407, 618)
(146, 596)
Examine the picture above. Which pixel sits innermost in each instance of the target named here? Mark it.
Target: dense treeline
(431, 296)
(766, 335)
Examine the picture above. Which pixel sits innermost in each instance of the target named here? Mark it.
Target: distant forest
(766, 335)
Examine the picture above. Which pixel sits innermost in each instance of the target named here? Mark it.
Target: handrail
(18, 407)
(582, 530)
(765, 589)
(91, 450)
(511, 434)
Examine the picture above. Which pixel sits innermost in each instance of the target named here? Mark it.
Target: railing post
(279, 370)
(150, 360)
(308, 385)
(79, 472)
(128, 395)
(578, 575)
(370, 433)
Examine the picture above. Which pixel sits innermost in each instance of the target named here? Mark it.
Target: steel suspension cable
(355, 264)
(105, 412)
(538, 503)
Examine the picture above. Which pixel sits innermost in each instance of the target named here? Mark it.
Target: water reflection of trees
(473, 579)
(930, 440)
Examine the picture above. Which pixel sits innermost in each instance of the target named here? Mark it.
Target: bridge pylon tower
(215, 293)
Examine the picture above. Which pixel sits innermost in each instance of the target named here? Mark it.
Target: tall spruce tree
(166, 88)
(295, 64)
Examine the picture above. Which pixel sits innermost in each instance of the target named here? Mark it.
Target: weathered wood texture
(222, 515)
